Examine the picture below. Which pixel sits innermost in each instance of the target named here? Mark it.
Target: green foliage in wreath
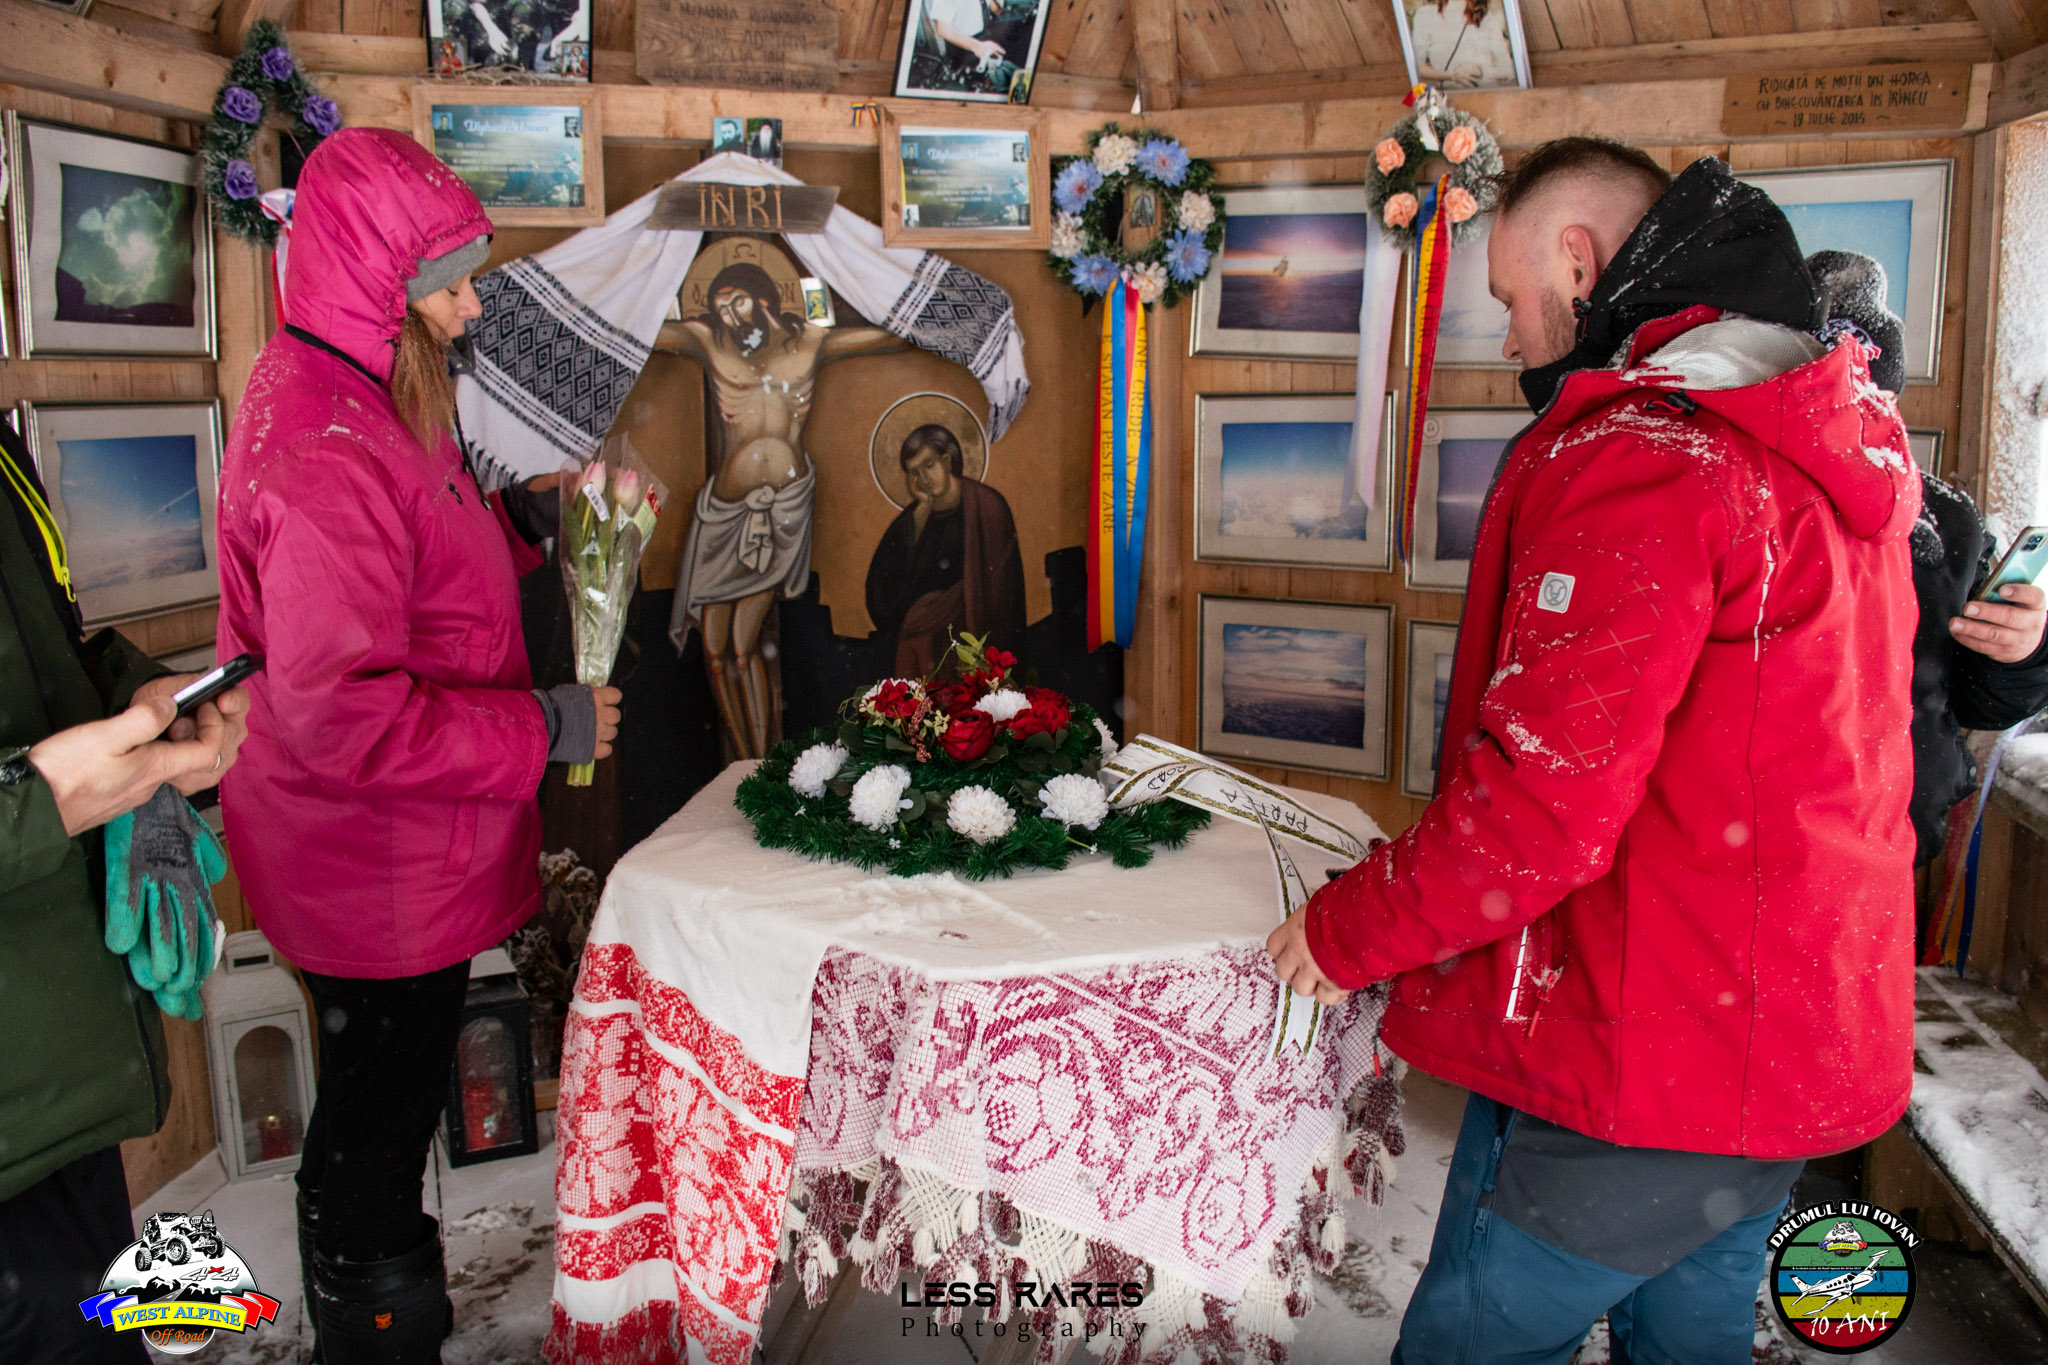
(1087, 232)
(921, 840)
(265, 77)
(1402, 162)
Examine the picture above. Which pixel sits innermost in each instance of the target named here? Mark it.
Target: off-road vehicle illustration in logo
(178, 1285)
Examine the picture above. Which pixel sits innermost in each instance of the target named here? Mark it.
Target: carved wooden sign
(707, 205)
(752, 44)
(1848, 99)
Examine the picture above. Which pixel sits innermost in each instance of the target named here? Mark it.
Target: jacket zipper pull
(1543, 981)
(456, 491)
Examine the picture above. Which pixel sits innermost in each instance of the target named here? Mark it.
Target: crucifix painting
(750, 537)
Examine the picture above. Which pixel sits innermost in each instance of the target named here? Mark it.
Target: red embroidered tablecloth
(1116, 1122)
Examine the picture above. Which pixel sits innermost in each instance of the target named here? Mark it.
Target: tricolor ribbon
(276, 205)
(1956, 911)
(1429, 267)
(1123, 468)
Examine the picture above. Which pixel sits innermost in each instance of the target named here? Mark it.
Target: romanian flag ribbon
(1430, 263)
(1123, 467)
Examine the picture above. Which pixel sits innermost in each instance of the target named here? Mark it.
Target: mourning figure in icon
(948, 562)
(750, 538)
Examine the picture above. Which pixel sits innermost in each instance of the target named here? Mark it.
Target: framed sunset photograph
(1290, 278)
(1296, 684)
(1274, 482)
(1460, 449)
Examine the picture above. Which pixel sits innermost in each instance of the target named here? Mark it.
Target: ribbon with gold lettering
(1429, 266)
(1123, 466)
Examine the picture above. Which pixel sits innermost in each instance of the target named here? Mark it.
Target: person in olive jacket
(82, 740)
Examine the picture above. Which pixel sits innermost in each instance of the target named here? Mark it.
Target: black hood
(1710, 240)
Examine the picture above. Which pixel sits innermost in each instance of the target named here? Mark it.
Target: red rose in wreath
(1002, 660)
(1048, 714)
(895, 701)
(953, 698)
(968, 736)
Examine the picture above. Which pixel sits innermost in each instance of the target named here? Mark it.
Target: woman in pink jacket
(382, 818)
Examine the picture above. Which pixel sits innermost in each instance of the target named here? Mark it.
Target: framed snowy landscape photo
(134, 488)
(1896, 212)
(1274, 484)
(1297, 684)
(1460, 448)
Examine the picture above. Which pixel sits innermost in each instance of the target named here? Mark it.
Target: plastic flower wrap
(609, 508)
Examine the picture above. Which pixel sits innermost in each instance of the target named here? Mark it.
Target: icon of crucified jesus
(751, 537)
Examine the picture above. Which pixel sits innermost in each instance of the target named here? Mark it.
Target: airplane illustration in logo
(1848, 1284)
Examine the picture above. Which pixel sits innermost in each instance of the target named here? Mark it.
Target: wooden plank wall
(1163, 670)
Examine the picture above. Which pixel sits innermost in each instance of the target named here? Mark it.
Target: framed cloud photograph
(1290, 277)
(1460, 448)
(977, 177)
(1896, 212)
(1274, 485)
(1430, 646)
(1296, 684)
(112, 254)
(547, 38)
(534, 156)
(133, 487)
(979, 50)
(1463, 44)
(1474, 324)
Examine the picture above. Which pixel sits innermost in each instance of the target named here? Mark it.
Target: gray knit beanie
(439, 272)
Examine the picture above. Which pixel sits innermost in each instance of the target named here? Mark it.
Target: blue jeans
(1492, 1293)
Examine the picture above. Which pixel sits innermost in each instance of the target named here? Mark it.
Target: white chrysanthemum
(1073, 799)
(1115, 153)
(878, 796)
(1108, 740)
(816, 766)
(1066, 236)
(1148, 280)
(1002, 706)
(1197, 211)
(980, 814)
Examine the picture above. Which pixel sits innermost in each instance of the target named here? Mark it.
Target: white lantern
(260, 1051)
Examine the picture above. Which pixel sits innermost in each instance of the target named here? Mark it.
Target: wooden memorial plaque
(751, 44)
(1848, 99)
(705, 205)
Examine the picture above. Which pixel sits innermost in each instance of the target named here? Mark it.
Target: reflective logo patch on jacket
(1555, 594)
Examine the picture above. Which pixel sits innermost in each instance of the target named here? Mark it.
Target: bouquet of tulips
(609, 508)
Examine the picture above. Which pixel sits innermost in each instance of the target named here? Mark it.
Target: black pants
(57, 1238)
(386, 1048)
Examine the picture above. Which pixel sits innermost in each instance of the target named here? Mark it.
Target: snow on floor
(498, 1223)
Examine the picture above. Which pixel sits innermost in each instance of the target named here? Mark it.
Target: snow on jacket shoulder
(382, 814)
(1664, 894)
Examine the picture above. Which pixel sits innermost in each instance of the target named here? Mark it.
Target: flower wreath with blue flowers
(1089, 193)
(264, 77)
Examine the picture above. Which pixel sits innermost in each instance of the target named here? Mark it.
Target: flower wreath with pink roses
(1435, 139)
(981, 775)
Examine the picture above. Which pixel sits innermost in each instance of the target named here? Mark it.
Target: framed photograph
(548, 38)
(534, 157)
(1460, 449)
(133, 487)
(817, 301)
(980, 50)
(1895, 212)
(75, 8)
(977, 178)
(112, 252)
(1926, 443)
(1430, 646)
(1296, 684)
(1290, 278)
(1463, 44)
(728, 135)
(764, 140)
(1474, 324)
(1273, 483)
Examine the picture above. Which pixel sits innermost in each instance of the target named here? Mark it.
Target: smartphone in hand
(206, 687)
(2023, 563)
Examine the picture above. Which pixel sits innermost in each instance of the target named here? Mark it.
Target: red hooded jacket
(381, 815)
(1664, 894)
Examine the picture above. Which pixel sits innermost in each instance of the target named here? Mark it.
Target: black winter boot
(391, 1312)
(309, 1229)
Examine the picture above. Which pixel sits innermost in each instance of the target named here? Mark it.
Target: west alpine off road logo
(1842, 1275)
(179, 1285)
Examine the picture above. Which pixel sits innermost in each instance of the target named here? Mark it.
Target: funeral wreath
(1435, 140)
(262, 79)
(1146, 183)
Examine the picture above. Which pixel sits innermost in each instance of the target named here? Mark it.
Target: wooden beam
(237, 17)
(2013, 26)
(1351, 82)
(1156, 34)
(44, 49)
(1959, 41)
(2021, 89)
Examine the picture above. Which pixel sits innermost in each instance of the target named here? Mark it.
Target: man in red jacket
(1659, 916)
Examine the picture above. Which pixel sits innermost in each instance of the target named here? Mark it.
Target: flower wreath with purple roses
(1088, 197)
(264, 77)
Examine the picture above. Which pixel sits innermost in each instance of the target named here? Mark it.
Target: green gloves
(161, 858)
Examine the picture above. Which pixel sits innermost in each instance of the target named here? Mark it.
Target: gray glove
(571, 713)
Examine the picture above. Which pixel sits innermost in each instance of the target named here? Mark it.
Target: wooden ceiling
(1194, 53)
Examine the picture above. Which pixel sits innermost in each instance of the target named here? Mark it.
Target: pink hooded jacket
(382, 816)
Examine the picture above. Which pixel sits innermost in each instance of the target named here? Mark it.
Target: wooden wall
(1163, 672)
